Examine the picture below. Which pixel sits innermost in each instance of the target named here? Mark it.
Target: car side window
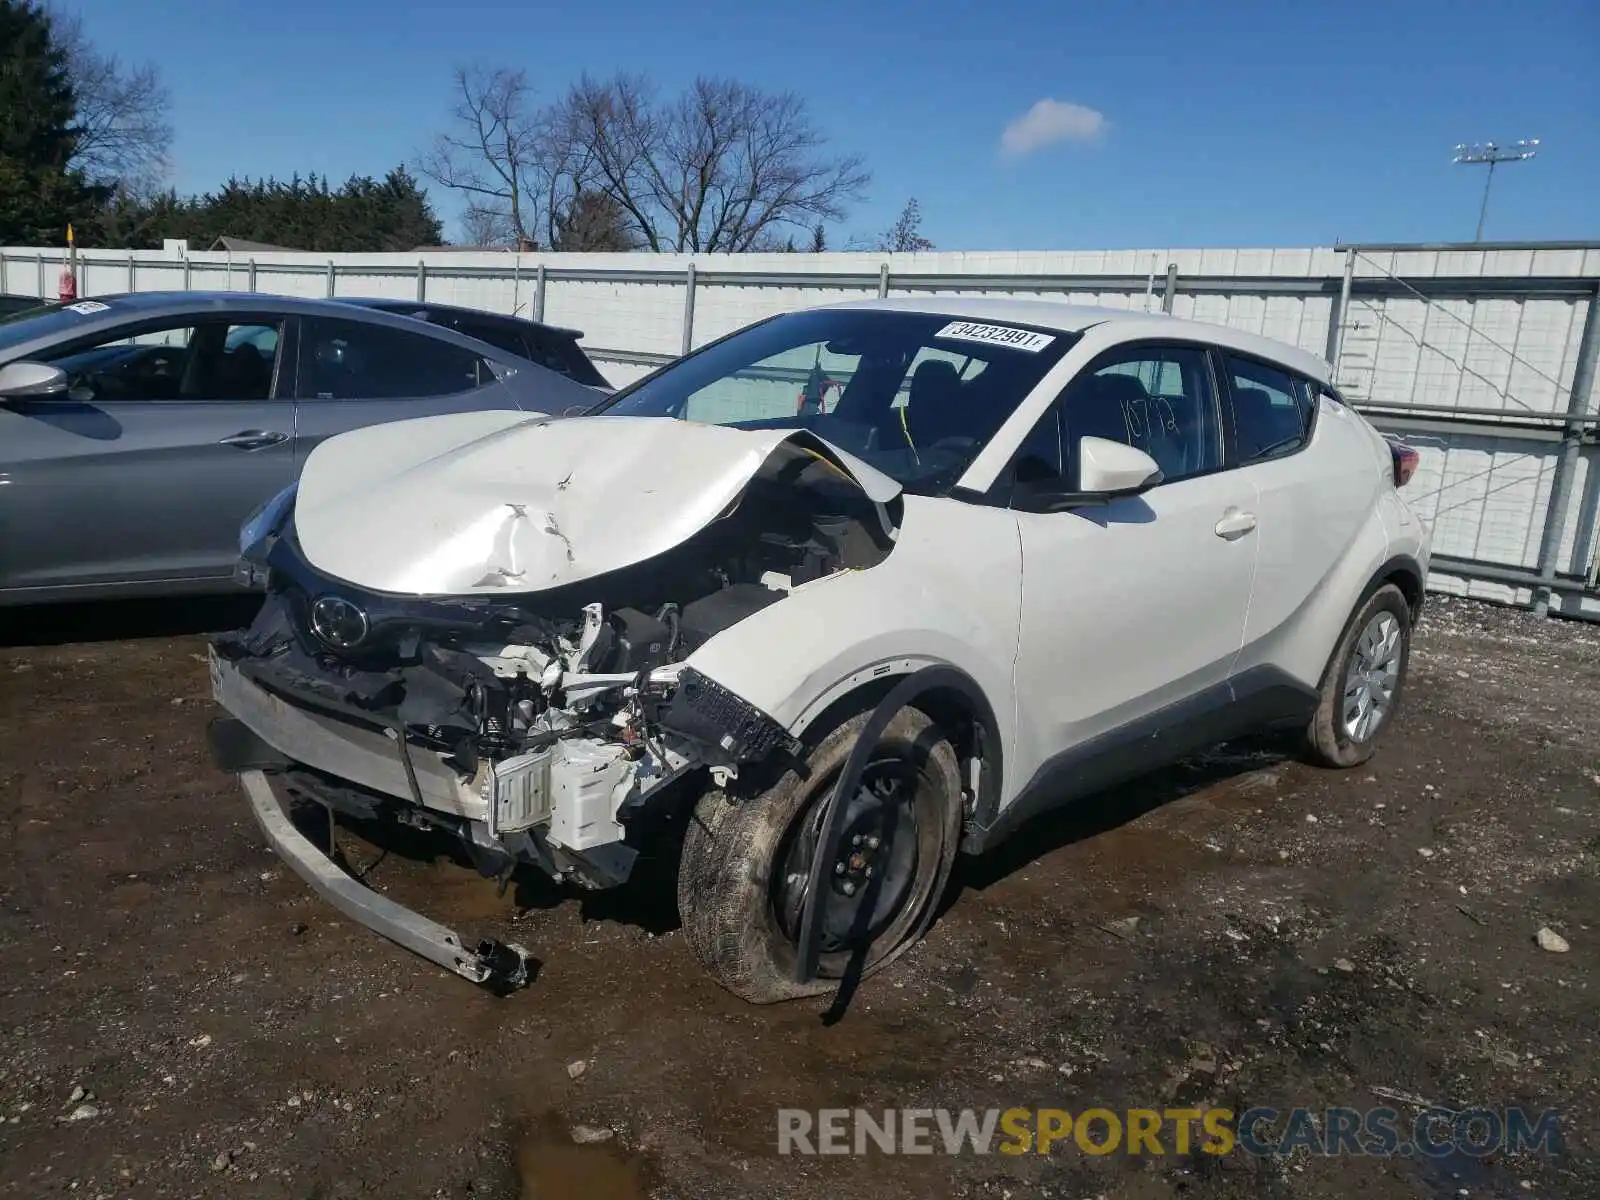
(1041, 457)
(1271, 409)
(352, 360)
(184, 360)
(1158, 399)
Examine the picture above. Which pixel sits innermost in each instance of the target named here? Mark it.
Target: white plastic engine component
(587, 780)
(519, 792)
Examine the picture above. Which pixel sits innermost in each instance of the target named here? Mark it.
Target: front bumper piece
(499, 965)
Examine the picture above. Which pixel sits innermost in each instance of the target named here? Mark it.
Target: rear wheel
(1362, 684)
(747, 862)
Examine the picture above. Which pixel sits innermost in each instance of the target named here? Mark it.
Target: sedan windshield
(916, 395)
(39, 321)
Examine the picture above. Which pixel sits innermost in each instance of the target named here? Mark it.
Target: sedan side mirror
(1109, 468)
(29, 380)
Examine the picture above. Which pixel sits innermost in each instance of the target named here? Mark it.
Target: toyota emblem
(338, 622)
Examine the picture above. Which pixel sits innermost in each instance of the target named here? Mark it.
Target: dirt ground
(1301, 937)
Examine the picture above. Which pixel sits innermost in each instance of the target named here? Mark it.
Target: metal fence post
(251, 275)
(688, 310)
(883, 281)
(4, 287)
(422, 281)
(332, 275)
(1571, 443)
(187, 272)
(42, 292)
(133, 277)
(1336, 318)
(538, 293)
(1171, 288)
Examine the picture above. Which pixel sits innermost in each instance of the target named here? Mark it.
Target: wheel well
(962, 713)
(1405, 576)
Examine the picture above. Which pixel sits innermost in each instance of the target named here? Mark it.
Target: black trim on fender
(1257, 698)
(1401, 562)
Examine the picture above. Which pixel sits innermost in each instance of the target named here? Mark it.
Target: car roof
(109, 311)
(1076, 318)
(394, 304)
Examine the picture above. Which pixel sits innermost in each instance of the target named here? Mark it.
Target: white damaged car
(835, 597)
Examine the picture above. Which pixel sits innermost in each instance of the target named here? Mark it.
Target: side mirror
(1106, 470)
(1109, 468)
(26, 380)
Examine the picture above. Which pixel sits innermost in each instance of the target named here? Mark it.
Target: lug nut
(856, 841)
(867, 872)
(838, 868)
(849, 888)
(873, 842)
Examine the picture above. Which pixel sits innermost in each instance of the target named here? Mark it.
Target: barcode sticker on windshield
(87, 308)
(997, 335)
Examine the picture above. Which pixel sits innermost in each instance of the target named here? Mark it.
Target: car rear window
(551, 349)
(561, 353)
(499, 336)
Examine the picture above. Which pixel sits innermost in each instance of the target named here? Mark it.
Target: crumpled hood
(495, 502)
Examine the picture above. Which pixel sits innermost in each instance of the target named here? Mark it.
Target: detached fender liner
(809, 943)
(497, 964)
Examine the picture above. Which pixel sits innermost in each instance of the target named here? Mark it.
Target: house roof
(236, 245)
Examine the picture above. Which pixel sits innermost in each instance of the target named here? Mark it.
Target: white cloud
(1051, 121)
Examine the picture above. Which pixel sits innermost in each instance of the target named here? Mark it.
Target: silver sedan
(138, 432)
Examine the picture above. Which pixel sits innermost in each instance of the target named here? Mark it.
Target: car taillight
(1405, 462)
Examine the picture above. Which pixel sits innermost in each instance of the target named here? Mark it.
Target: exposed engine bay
(537, 725)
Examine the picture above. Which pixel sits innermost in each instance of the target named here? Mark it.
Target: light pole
(1479, 153)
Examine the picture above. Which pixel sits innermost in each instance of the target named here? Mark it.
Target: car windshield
(916, 395)
(39, 321)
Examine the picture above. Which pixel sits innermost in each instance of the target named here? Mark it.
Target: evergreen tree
(906, 233)
(39, 195)
(302, 213)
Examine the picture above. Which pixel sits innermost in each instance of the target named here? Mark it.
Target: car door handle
(254, 439)
(1235, 524)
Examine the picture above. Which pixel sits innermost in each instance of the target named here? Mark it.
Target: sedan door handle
(1235, 524)
(254, 439)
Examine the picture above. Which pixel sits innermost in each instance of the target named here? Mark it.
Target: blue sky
(1250, 123)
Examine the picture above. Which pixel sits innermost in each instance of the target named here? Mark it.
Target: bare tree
(516, 165)
(122, 113)
(486, 227)
(594, 221)
(906, 233)
(723, 167)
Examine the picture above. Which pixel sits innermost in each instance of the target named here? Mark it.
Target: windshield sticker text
(997, 335)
